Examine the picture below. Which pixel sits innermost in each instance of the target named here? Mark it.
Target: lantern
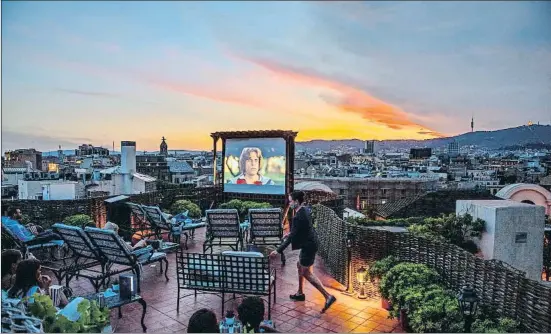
(361, 277)
(349, 240)
(468, 302)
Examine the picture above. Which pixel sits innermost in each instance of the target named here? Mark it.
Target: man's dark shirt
(303, 235)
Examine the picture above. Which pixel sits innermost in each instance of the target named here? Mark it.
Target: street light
(361, 277)
(468, 302)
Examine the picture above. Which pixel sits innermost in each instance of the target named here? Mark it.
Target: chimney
(128, 164)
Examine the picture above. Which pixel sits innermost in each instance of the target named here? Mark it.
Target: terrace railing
(500, 286)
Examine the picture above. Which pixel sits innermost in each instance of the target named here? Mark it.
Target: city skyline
(98, 72)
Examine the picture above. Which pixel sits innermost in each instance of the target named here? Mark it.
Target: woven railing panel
(332, 238)
(498, 285)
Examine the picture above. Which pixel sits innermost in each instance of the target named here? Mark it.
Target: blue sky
(99, 72)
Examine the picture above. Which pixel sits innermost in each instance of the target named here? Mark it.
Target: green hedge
(80, 220)
(457, 230)
(185, 205)
(430, 307)
(243, 206)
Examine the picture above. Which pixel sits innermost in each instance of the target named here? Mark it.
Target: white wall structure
(128, 164)
(59, 191)
(50, 190)
(514, 232)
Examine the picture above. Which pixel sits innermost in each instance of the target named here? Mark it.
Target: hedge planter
(385, 303)
(404, 323)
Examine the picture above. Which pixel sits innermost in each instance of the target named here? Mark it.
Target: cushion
(157, 256)
(243, 254)
(16, 229)
(51, 243)
(203, 284)
(204, 267)
(192, 226)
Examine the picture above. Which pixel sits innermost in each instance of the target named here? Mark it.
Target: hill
(512, 137)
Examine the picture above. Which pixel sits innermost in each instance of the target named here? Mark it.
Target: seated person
(10, 260)
(203, 321)
(251, 314)
(12, 223)
(114, 227)
(29, 280)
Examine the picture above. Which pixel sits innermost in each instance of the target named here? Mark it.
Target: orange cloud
(351, 99)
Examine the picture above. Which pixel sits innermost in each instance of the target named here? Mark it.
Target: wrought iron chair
(266, 228)
(26, 246)
(248, 274)
(175, 226)
(198, 272)
(112, 247)
(222, 226)
(87, 261)
(238, 273)
(142, 225)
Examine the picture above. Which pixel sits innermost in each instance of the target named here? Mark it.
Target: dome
(313, 185)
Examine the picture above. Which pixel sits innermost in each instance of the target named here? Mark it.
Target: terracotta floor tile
(379, 319)
(282, 318)
(365, 315)
(345, 316)
(362, 329)
(357, 320)
(317, 330)
(370, 325)
(384, 328)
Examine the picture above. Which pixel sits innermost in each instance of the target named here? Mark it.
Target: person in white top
(114, 227)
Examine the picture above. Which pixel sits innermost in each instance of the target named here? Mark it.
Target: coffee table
(116, 302)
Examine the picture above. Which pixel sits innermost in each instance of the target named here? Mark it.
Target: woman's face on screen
(253, 164)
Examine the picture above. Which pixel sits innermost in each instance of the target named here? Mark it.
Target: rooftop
(346, 315)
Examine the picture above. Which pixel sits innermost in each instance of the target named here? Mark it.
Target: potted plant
(378, 270)
(182, 205)
(89, 318)
(79, 220)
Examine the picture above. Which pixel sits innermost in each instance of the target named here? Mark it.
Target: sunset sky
(98, 72)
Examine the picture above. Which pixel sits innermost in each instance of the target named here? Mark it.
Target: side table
(116, 302)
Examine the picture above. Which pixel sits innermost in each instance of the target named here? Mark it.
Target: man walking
(303, 236)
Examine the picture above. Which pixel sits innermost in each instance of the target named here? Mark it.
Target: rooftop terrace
(347, 315)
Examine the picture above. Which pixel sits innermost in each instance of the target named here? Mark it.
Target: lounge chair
(86, 256)
(31, 242)
(112, 247)
(174, 225)
(141, 222)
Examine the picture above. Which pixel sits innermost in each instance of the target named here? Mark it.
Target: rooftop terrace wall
(500, 286)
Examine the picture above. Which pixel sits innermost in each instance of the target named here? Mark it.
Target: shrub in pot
(92, 319)
(243, 207)
(376, 272)
(411, 298)
(185, 205)
(405, 276)
(79, 220)
(489, 321)
(438, 313)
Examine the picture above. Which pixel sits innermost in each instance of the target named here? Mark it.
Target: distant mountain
(519, 136)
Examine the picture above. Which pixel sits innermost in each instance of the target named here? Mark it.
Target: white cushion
(243, 254)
